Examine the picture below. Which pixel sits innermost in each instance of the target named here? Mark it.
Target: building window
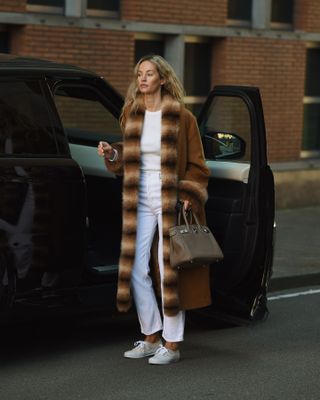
(197, 72)
(148, 44)
(282, 14)
(311, 124)
(239, 12)
(4, 41)
(103, 8)
(47, 6)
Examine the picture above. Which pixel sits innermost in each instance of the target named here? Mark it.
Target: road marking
(297, 294)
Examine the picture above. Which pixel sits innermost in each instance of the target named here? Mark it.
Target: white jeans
(149, 216)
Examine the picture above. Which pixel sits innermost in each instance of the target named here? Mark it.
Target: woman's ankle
(154, 338)
(172, 346)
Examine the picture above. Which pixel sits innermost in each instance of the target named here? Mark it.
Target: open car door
(240, 207)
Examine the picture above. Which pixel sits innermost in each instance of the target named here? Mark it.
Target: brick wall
(277, 68)
(12, 5)
(108, 53)
(307, 15)
(199, 12)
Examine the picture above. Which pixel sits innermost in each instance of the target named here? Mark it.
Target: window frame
(241, 23)
(90, 12)
(281, 26)
(196, 100)
(310, 100)
(285, 26)
(101, 13)
(149, 37)
(38, 8)
(6, 33)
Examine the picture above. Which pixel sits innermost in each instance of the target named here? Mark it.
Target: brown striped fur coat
(185, 177)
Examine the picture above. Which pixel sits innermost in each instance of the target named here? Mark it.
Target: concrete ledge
(22, 18)
(293, 282)
(297, 184)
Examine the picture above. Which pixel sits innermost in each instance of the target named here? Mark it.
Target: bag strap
(192, 216)
(195, 218)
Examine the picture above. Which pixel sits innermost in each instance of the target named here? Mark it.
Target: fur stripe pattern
(131, 166)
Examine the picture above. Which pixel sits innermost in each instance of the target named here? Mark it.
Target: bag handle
(192, 216)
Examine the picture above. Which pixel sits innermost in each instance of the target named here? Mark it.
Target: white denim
(149, 217)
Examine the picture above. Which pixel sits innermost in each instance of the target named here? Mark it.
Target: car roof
(17, 64)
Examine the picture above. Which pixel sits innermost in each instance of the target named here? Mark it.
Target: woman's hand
(105, 150)
(186, 204)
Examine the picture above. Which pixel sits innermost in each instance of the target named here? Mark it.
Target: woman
(161, 159)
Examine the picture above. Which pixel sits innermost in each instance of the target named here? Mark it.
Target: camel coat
(185, 177)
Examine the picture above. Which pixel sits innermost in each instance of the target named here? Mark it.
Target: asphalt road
(82, 359)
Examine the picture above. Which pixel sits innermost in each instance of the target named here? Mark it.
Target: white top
(151, 141)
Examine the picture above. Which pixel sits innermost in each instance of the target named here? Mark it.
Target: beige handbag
(192, 244)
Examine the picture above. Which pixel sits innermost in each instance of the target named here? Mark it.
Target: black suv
(60, 208)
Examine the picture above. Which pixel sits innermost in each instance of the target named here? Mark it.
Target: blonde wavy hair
(172, 85)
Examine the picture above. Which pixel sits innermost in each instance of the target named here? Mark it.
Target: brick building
(272, 44)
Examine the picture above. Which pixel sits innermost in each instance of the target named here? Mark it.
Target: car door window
(85, 118)
(226, 130)
(25, 123)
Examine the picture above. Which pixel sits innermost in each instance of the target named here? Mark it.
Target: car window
(84, 115)
(25, 123)
(226, 130)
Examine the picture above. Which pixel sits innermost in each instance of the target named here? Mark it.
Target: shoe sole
(139, 356)
(163, 363)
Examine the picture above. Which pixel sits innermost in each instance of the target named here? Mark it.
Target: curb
(292, 282)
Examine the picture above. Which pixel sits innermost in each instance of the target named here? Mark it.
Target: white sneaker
(165, 356)
(143, 349)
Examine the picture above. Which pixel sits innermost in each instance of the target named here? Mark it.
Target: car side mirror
(223, 146)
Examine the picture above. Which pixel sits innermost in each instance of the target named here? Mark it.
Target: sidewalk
(297, 183)
(297, 250)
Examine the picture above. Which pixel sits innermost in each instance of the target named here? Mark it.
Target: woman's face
(149, 81)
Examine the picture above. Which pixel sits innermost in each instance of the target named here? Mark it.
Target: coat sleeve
(116, 166)
(193, 185)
